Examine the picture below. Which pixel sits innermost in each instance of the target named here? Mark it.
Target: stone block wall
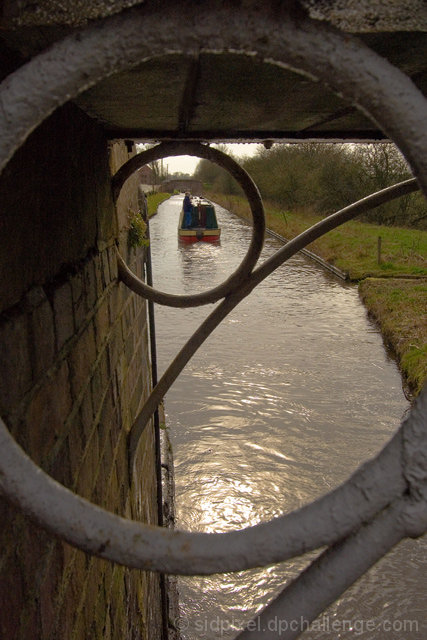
(74, 371)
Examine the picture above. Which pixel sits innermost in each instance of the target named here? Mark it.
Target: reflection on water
(285, 399)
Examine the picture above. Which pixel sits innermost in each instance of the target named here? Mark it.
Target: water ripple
(286, 398)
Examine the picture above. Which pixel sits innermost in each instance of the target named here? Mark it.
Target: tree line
(322, 178)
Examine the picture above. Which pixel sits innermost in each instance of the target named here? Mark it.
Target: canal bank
(398, 306)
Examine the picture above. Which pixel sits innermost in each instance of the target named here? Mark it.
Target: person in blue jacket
(188, 208)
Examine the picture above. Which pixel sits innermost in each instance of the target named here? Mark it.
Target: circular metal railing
(383, 501)
(243, 178)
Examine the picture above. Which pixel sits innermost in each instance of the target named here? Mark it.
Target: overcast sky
(187, 164)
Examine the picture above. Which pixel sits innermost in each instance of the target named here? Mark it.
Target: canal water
(282, 402)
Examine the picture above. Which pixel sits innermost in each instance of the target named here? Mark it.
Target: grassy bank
(399, 307)
(353, 247)
(153, 201)
(393, 290)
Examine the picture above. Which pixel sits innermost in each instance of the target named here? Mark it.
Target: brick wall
(74, 371)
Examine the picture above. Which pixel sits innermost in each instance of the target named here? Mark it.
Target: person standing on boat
(188, 208)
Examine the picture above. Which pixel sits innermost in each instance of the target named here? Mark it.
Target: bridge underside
(233, 97)
(225, 97)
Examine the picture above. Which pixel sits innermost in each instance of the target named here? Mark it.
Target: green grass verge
(153, 201)
(398, 305)
(353, 247)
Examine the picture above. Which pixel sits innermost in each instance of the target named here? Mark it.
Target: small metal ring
(250, 189)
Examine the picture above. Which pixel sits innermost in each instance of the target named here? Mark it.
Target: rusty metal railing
(386, 499)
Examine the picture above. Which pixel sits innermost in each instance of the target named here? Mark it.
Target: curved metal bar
(92, 529)
(257, 276)
(325, 580)
(29, 95)
(345, 64)
(131, 543)
(252, 194)
(97, 531)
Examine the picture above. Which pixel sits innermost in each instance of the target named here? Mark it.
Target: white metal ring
(252, 194)
(29, 95)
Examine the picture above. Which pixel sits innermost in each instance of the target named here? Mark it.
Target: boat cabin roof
(196, 201)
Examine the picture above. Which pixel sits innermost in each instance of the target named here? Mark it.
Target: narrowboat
(197, 221)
